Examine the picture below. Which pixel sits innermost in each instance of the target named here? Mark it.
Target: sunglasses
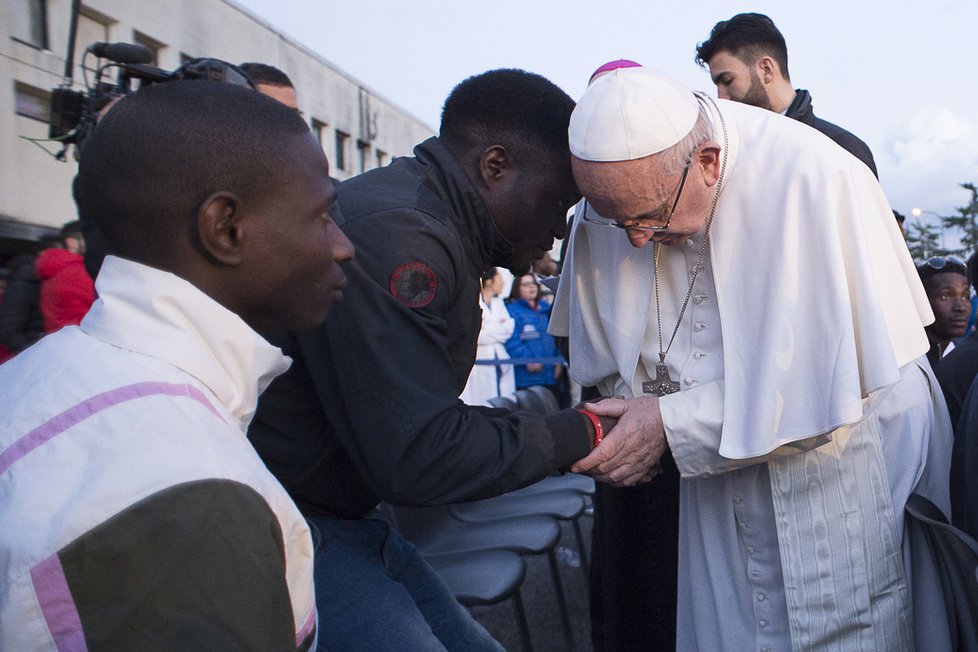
(940, 262)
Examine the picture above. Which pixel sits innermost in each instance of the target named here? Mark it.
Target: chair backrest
(546, 397)
(503, 402)
(527, 400)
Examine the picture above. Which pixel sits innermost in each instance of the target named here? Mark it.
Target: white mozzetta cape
(819, 300)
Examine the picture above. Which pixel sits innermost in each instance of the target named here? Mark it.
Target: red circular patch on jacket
(413, 284)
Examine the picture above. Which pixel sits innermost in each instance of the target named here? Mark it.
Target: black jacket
(956, 372)
(801, 110)
(21, 323)
(370, 408)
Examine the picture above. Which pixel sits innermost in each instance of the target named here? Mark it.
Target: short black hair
(262, 73)
(748, 37)
(159, 153)
(522, 111)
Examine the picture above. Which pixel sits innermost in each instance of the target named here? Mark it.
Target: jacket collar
(158, 314)
(801, 107)
(484, 245)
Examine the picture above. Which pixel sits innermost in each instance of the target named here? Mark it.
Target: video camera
(75, 112)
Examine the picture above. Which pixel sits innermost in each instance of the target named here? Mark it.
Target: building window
(320, 131)
(364, 150)
(154, 46)
(381, 158)
(32, 102)
(92, 27)
(342, 141)
(30, 22)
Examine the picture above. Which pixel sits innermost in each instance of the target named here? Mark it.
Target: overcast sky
(899, 74)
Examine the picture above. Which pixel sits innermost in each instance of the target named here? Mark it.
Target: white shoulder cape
(820, 303)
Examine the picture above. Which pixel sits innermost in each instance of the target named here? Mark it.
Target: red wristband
(598, 428)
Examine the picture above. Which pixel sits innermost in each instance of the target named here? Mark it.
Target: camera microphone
(122, 52)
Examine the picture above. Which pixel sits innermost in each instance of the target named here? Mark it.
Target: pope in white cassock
(743, 275)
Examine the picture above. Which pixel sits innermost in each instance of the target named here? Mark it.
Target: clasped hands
(629, 453)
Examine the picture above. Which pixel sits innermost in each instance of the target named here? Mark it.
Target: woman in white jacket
(486, 381)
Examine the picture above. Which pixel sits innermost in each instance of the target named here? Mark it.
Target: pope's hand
(629, 454)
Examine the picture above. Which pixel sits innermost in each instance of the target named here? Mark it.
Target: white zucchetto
(629, 114)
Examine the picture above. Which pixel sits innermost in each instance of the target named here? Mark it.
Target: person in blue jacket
(530, 338)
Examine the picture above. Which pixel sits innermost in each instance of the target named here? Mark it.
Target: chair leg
(561, 599)
(521, 620)
(579, 535)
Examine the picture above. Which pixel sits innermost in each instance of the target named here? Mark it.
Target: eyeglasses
(634, 224)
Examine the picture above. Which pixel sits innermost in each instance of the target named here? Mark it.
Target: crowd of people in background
(750, 494)
(45, 293)
(515, 350)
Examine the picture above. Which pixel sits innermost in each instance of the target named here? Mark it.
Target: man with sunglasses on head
(774, 344)
(959, 365)
(945, 280)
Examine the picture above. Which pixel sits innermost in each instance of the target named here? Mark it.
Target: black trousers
(634, 553)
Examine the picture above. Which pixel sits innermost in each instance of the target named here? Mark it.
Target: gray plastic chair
(527, 400)
(503, 402)
(434, 530)
(564, 505)
(486, 578)
(546, 398)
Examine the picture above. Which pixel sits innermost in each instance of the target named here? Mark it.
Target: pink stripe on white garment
(58, 606)
(89, 407)
(307, 629)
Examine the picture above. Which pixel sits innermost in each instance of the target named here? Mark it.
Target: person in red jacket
(67, 291)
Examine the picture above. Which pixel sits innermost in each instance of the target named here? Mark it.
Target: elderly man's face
(641, 193)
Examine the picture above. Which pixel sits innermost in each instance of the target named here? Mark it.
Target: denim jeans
(374, 592)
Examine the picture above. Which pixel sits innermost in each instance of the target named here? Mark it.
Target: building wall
(36, 189)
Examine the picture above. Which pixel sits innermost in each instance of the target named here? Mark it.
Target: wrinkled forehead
(610, 186)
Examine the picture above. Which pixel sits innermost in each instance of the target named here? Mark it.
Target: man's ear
(707, 158)
(220, 227)
(767, 69)
(494, 162)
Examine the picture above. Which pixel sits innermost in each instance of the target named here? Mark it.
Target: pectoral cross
(662, 384)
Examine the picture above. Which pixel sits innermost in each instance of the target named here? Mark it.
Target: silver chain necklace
(663, 383)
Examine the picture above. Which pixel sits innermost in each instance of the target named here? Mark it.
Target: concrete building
(358, 128)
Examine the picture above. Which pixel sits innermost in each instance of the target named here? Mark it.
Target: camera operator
(272, 82)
